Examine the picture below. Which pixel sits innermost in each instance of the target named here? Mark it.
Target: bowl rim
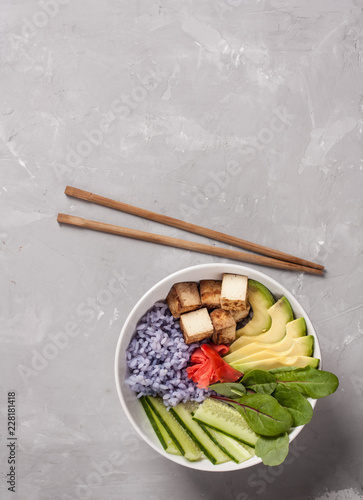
(204, 464)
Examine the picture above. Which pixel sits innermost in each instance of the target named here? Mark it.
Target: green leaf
(230, 390)
(307, 381)
(273, 450)
(264, 414)
(299, 407)
(260, 381)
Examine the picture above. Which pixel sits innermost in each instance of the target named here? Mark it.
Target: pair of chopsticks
(269, 257)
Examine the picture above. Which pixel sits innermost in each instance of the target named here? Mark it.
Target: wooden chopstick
(188, 245)
(187, 226)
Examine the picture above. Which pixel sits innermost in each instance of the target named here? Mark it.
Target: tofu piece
(183, 297)
(240, 314)
(234, 292)
(210, 293)
(224, 326)
(196, 325)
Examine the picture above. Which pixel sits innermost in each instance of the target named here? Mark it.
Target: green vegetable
(165, 440)
(262, 418)
(307, 381)
(278, 404)
(260, 381)
(183, 416)
(225, 419)
(273, 450)
(180, 437)
(236, 451)
(264, 414)
(231, 390)
(299, 407)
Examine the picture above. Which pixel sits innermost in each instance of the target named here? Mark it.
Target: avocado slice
(280, 314)
(261, 299)
(303, 346)
(294, 329)
(277, 362)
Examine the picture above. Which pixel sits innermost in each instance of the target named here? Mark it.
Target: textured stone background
(245, 117)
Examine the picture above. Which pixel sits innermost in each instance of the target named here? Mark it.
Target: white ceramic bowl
(131, 404)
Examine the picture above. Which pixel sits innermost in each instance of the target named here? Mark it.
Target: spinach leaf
(264, 414)
(230, 390)
(272, 450)
(260, 381)
(308, 381)
(299, 407)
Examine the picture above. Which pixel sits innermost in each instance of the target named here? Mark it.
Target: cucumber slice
(236, 451)
(182, 440)
(210, 449)
(165, 440)
(224, 418)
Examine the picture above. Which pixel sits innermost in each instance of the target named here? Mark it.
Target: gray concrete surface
(245, 117)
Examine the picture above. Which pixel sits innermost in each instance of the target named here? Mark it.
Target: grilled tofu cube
(224, 326)
(210, 293)
(240, 314)
(183, 297)
(234, 292)
(196, 325)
